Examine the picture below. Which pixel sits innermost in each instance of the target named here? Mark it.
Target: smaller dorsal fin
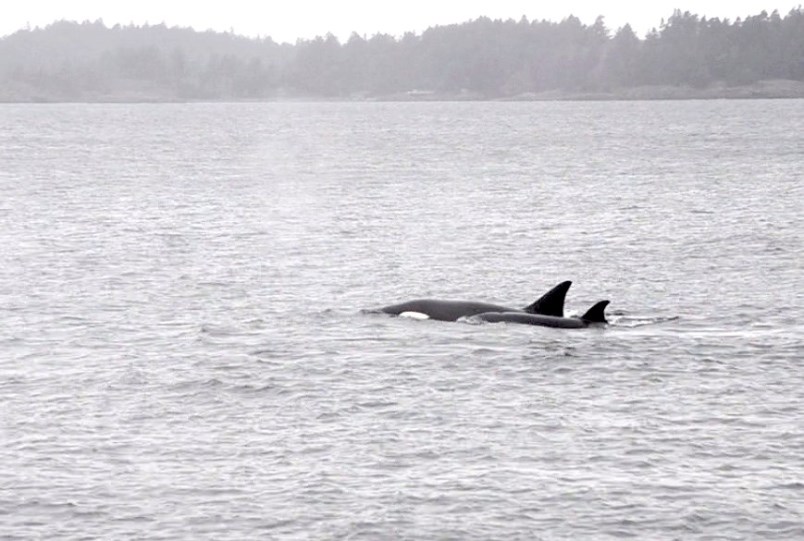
(552, 302)
(596, 314)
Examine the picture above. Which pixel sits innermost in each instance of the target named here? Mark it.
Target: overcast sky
(287, 20)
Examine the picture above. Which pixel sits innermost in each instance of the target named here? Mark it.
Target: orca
(594, 316)
(551, 304)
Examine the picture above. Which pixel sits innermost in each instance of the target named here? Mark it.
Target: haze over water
(184, 353)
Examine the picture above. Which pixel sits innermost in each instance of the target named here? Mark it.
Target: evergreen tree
(481, 58)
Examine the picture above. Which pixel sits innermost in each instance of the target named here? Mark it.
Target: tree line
(483, 58)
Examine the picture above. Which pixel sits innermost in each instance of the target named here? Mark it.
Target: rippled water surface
(183, 352)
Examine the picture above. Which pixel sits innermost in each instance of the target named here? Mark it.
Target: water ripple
(185, 354)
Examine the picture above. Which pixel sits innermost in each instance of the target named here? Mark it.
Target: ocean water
(184, 351)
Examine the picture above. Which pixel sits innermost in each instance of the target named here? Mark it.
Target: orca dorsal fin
(596, 314)
(552, 302)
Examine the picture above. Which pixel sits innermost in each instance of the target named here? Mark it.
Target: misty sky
(285, 20)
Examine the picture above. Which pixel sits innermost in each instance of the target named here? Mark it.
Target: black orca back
(443, 310)
(549, 304)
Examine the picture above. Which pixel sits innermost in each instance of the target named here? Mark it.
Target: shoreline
(771, 89)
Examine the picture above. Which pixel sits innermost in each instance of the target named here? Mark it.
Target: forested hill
(482, 59)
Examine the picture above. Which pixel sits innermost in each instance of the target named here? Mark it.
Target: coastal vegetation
(479, 59)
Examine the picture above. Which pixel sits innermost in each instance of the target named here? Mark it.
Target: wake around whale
(593, 317)
(551, 305)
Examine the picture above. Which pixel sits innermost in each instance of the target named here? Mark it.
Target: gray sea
(184, 351)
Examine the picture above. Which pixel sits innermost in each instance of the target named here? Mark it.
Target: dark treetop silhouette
(479, 59)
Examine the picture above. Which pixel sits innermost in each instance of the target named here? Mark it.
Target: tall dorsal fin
(552, 302)
(596, 314)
